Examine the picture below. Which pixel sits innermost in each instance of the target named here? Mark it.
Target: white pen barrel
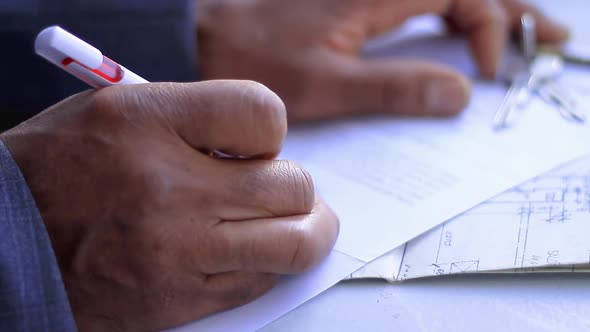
(56, 44)
(130, 77)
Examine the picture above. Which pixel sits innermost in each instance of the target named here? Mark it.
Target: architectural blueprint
(540, 226)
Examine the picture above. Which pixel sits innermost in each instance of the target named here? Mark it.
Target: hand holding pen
(149, 232)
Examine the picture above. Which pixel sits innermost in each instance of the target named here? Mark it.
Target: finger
(484, 21)
(407, 87)
(279, 245)
(384, 15)
(486, 24)
(261, 189)
(238, 117)
(548, 30)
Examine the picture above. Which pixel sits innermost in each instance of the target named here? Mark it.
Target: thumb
(406, 87)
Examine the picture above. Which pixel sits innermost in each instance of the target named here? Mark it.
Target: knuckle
(402, 99)
(299, 184)
(498, 14)
(102, 98)
(154, 188)
(138, 103)
(248, 251)
(104, 102)
(253, 287)
(219, 250)
(303, 249)
(267, 109)
(281, 186)
(106, 109)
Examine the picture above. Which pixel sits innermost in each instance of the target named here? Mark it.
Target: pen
(87, 63)
(82, 60)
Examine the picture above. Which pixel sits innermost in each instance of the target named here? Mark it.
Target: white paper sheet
(290, 293)
(392, 179)
(539, 226)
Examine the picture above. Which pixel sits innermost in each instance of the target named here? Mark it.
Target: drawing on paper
(540, 226)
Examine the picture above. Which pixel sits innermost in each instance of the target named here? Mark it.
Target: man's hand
(307, 51)
(148, 231)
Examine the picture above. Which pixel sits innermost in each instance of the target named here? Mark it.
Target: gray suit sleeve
(32, 294)
(154, 38)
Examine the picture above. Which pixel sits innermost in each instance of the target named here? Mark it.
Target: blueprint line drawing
(539, 226)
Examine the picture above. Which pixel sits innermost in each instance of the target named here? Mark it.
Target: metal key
(566, 105)
(518, 93)
(537, 76)
(516, 98)
(528, 37)
(545, 69)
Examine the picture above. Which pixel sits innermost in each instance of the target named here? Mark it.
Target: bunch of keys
(537, 77)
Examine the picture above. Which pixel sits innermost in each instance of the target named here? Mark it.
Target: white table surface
(463, 303)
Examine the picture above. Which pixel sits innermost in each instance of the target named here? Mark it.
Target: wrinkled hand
(148, 231)
(307, 51)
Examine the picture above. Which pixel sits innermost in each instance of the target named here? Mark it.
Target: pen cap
(56, 45)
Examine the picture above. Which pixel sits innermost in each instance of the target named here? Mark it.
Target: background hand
(148, 231)
(308, 51)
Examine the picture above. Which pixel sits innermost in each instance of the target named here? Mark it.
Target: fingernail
(447, 96)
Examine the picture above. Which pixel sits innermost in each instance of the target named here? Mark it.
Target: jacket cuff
(32, 293)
